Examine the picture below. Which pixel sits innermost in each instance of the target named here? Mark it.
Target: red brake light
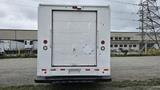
(62, 69)
(105, 69)
(96, 69)
(45, 41)
(87, 69)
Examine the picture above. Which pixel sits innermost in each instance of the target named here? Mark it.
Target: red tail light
(53, 69)
(96, 69)
(45, 41)
(105, 69)
(44, 69)
(62, 69)
(87, 69)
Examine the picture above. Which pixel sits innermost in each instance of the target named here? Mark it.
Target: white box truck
(73, 43)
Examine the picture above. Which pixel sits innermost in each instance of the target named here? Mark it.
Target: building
(119, 40)
(125, 40)
(17, 39)
(129, 41)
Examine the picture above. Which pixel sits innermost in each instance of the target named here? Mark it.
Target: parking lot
(22, 71)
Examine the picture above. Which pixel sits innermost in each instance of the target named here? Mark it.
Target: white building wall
(15, 45)
(35, 43)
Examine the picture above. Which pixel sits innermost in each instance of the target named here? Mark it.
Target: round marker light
(102, 48)
(45, 41)
(45, 47)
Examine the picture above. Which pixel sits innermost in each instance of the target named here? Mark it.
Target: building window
(125, 45)
(25, 42)
(120, 45)
(130, 45)
(1, 41)
(115, 45)
(111, 45)
(128, 38)
(120, 38)
(116, 38)
(134, 45)
(31, 42)
(111, 38)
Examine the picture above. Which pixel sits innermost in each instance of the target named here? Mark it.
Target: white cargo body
(73, 43)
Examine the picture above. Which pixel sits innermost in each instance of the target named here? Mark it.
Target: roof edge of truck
(88, 5)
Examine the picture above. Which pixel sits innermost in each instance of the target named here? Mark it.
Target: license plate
(74, 71)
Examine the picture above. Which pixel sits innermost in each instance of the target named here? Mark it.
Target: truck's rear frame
(99, 70)
(72, 79)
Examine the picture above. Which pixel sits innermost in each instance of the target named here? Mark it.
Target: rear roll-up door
(74, 38)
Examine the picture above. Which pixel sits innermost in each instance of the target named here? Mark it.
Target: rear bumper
(73, 79)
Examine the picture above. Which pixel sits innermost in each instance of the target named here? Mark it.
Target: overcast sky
(22, 14)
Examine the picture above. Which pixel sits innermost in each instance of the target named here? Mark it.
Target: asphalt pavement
(22, 71)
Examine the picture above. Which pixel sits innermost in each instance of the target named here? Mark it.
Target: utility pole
(141, 15)
(150, 23)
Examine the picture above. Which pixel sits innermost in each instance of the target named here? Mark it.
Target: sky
(22, 14)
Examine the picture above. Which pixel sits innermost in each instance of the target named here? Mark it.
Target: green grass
(115, 85)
